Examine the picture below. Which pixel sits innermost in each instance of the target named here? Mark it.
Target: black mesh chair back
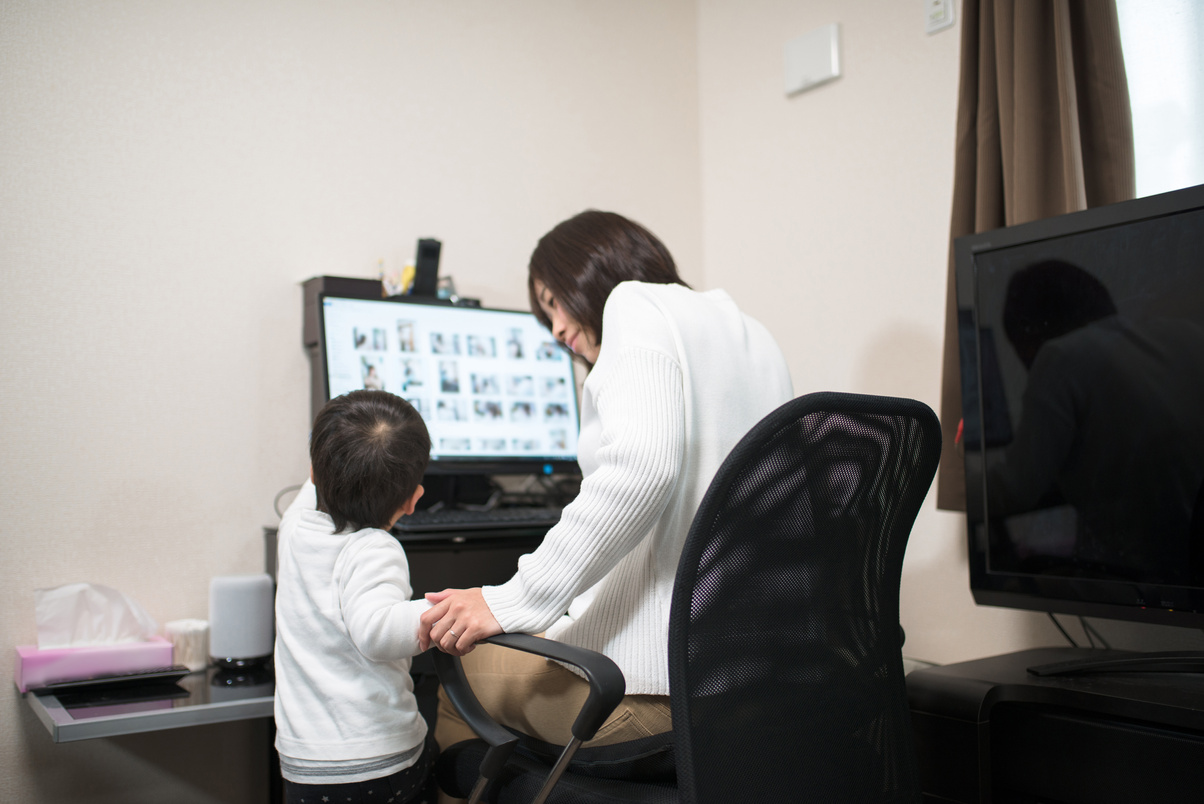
(785, 663)
(786, 671)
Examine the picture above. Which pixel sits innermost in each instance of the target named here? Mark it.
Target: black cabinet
(456, 559)
(988, 731)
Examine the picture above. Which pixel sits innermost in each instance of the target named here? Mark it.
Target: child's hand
(456, 621)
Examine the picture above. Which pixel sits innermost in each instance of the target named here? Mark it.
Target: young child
(348, 727)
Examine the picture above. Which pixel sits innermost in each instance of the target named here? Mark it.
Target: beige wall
(169, 173)
(827, 215)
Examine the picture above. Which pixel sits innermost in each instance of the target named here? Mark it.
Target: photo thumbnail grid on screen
(488, 383)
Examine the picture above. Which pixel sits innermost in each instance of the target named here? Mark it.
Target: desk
(439, 561)
(451, 559)
(202, 699)
(470, 558)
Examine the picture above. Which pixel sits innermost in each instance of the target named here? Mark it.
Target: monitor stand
(455, 490)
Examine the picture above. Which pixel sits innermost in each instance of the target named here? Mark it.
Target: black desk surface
(968, 690)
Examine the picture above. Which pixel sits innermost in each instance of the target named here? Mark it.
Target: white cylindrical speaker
(241, 619)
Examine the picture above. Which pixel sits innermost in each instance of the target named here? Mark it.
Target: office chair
(786, 676)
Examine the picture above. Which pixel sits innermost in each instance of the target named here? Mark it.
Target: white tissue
(89, 614)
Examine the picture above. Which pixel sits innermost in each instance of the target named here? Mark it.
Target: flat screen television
(1081, 341)
(495, 388)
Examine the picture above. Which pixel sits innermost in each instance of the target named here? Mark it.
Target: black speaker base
(242, 672)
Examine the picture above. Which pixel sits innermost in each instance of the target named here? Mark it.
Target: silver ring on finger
(453, 633)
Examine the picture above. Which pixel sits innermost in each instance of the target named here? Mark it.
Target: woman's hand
(456, 621)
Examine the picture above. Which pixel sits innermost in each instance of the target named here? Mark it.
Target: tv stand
(1178, 661)
(990, 731)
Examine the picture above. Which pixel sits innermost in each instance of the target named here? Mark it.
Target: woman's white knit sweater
(680, 378)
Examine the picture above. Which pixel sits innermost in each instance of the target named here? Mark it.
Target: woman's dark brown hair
(583, 258)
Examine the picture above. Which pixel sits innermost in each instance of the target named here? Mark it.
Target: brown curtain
(1043, 128)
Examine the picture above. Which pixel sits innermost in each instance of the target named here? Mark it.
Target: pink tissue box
(37, 668)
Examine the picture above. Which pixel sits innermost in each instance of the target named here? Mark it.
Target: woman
(677, 378)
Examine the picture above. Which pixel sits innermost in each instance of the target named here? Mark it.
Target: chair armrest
(606, 685)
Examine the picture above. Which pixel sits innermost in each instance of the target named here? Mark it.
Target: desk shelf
(205, 702)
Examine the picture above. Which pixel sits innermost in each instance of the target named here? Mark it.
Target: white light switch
(938, 15)
(813, 58)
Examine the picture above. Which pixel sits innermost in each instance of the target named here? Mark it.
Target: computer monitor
(1082, 362)
(496, 390)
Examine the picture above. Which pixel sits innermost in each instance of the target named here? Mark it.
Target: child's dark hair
(369, 450)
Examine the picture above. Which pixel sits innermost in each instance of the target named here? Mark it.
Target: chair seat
(458, 767)
(648, 759)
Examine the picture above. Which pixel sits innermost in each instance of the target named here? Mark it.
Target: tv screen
(495, 389)
(1082, 357)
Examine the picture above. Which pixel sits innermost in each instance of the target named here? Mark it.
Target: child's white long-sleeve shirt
(346, 630)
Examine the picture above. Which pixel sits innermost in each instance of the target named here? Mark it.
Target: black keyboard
(445, 519)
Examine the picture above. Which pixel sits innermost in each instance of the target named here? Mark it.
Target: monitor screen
(1082, 355)
(495, 389)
